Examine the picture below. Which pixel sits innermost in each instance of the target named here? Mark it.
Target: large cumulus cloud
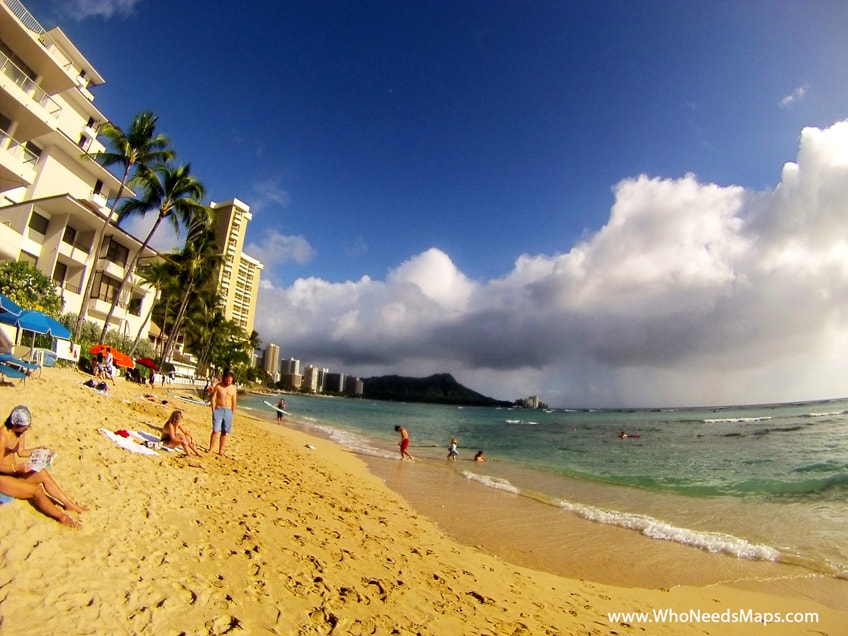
(690, 293)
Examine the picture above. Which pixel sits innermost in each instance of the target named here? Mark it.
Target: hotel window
(135, 306)
(59, 274)
(117, 253)
(26, 257)
(33, 149)
(38, 223)
(107, 290)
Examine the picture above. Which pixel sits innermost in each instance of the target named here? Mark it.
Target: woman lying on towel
(174, 434)
(18, 480)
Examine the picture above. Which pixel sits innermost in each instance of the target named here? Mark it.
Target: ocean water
(760, 483)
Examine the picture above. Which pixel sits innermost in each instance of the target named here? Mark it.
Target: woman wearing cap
(18, 481)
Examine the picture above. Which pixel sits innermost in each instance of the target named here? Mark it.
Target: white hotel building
(53, 201)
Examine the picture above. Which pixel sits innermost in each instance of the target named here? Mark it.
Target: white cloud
(268, 193)
(435, 275)
(82, 9)
(164, 240)
(277, 249)
(795, 96)
(692, 293)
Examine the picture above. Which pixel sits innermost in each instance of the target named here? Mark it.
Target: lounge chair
(11, 372)
(13, 367)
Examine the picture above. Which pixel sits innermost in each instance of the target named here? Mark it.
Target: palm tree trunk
(129, 272)
(143, 325)
(172, 338)
(89, 285)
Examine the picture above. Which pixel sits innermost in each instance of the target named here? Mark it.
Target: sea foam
(492, 482)
(715, 542)
(743, 420)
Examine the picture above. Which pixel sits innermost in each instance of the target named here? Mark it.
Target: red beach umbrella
(121, 359)
(147, 362)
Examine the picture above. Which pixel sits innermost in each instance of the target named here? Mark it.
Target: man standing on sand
(404, 442)
(223, 402)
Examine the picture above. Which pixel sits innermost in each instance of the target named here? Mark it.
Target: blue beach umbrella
(37, 322)
(7, 305)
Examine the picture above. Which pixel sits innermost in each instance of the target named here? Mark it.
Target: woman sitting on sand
(174, 434)
(19, 481)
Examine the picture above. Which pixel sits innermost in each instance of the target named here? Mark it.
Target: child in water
(452, 452)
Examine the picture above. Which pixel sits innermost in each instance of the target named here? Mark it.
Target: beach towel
(98, 387)
(128, 443)
(143, 437)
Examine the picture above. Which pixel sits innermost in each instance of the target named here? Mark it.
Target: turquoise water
(757, 482)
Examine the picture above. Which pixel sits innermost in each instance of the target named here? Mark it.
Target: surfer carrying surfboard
(281, 406)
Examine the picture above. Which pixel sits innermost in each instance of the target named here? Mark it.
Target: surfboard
(274, 406)
(190, 399)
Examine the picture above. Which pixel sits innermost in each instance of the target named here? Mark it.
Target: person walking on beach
(109, 365)
(404, 442)
(223, 401)
(281, 406)
(452, 452)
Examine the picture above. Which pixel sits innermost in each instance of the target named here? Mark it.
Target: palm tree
(157, 275)
(203, 321)
(198, 262)
(139, 146)
(174, 193)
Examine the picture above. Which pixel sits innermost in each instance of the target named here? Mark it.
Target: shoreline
(484, 517)
(280, 538)
(558, 542)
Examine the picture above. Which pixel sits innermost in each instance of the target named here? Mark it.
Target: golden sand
(280, 539)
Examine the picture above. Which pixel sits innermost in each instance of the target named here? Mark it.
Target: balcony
(67, 286)
(100, 201)
(17, 162)
(23, 81)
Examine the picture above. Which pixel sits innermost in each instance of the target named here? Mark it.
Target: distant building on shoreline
(271, 361)
(310, 379)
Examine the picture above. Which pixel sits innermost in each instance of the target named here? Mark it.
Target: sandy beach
(281, 538)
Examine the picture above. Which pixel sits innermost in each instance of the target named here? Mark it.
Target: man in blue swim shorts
(223, 402)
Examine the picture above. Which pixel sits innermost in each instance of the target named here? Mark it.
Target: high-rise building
(53, 201)
(272, 360)
(310, 379)
(238, 275)
(334, 382)
(290, 366)
(354, 385)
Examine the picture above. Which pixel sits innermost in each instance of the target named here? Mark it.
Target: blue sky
(581, 200)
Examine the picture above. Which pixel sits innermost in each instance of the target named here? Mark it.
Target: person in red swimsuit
(404, 442)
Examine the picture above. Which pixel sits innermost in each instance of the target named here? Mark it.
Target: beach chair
(12, 367)
(10, 372)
